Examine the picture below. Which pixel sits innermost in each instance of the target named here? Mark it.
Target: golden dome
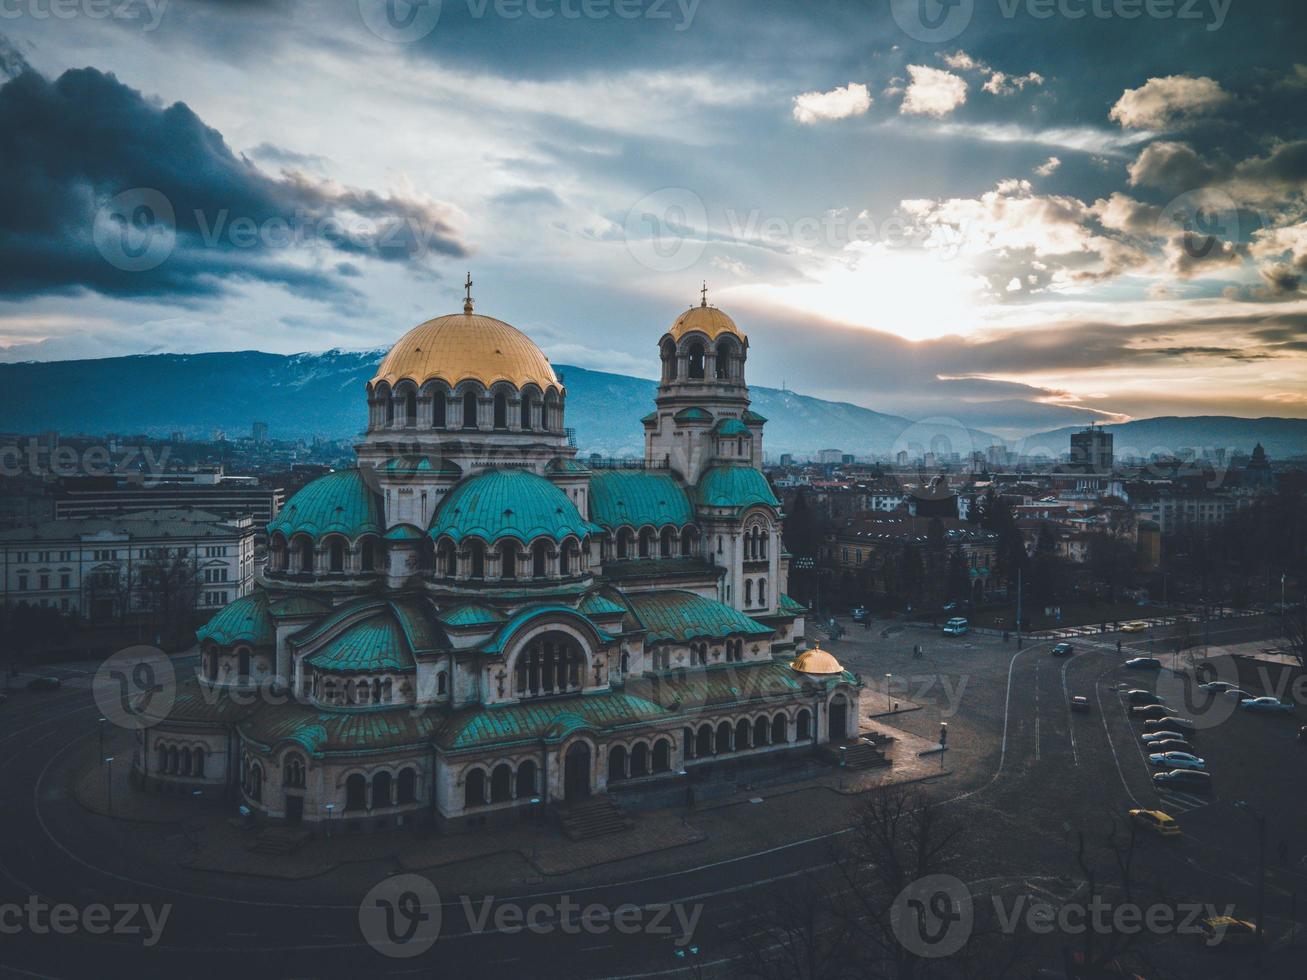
(816, 661)
(706, 319)
(465, 346)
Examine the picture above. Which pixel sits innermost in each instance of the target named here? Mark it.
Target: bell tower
(702, 416)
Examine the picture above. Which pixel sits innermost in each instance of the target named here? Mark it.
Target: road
(1026, 772)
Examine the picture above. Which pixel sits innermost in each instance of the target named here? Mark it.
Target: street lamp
(330, 807)
(1260, 817)
(101, 723)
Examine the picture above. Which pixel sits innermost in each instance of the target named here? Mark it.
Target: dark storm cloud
(86, 138)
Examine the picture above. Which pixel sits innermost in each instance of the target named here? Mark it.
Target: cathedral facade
(473, 624)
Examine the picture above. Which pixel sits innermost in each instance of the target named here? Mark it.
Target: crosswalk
(1183, 802)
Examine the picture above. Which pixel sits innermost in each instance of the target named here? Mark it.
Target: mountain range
(321, 394)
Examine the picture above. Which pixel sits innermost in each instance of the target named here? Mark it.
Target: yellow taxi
(1162, 824)
(1225, 930)
(1134, 626)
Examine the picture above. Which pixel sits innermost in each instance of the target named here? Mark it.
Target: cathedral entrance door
(294, 810)
(576, 773)
(839, 718)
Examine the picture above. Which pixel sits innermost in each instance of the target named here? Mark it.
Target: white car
(1220, 687)
(1177, 760)
(957, 626)
(1264, 704)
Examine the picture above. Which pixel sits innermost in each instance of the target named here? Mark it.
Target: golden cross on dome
(467, 302)
(703, 293)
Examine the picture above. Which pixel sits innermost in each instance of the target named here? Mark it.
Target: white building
(104, 567)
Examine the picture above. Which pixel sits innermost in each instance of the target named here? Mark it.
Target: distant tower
(703, 416)
(1091, 450)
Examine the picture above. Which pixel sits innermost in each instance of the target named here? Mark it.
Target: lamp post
(101, 724)
(1260, 817)
(108, 761)
(330, 807)
(943, 742)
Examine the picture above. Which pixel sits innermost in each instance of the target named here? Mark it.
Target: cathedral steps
(280, 840)
(857, 755)
(595, 817)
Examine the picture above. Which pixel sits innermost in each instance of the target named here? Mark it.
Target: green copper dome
(338, 502)
(508, 504)
(734, 486)
(637, 498)
(244, 621)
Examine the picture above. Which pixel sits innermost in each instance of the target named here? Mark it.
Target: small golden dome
(816, 661)
(465, 346)
(706, 319)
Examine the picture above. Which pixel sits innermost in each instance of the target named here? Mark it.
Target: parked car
(1170, 745)
(1220, 687)
(1159, 736)
(1185, 780)
(1227, 930)
(1136, 696)
(1177, 760)
(1264, 704)
(957, 626)
(1143, 663)
(1150, 711)
(1135, 626)
(1170, 724)
(1239, 694)
(1080, 703)
(44, 684)
(1063, 650)
(1162, 824)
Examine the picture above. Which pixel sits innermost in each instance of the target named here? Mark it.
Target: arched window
(256, 782)
(507, 560)
(551, 664)
(743, 731)
(748, 591)
(185, 767)
(526, 780)
(470, 410)
(172, 758)
(442, 683)
(646, 542)
(696, 361)
(780, 730)
(390, 410)
(724, 731)
(306, 555)
(381, 790)
(501, 411)
(199, 762)
(478, 551)
(474, 788)
(539, 560)
(803, 725)
(356, 792)
(336, 554)
(410, 409)
(407, 785)
(617, 763)
(526, 413)
(624, 535)
(760, 732)
(501, 784)
(243, 664)
(438, 409)
(667, 543)
(762, 592)
(640, 759)
(367, 557)
(670, 360)
(162, 765)
(662, 755)
(687, 542)
(703, 741)
(723, 371)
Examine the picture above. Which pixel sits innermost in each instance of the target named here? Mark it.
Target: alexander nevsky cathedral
(474, 625)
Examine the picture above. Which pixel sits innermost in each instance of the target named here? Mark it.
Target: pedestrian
(1118, 646)
(1284, 852)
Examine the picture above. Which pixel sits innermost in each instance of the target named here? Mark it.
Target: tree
(168, 589)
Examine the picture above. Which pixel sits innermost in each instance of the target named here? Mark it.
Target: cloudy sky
(1020, 213)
